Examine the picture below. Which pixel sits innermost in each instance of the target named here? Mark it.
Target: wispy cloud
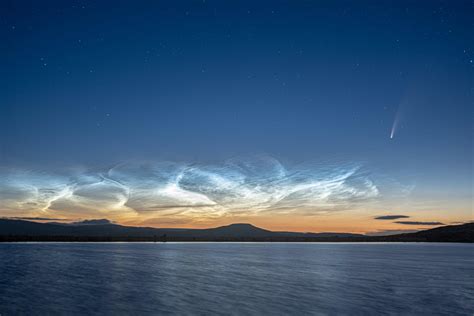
(419, 223)
(180, 191)
(390, 217)
(36, 218)
(460, 223)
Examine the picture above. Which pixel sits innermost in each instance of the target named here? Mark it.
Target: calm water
(236, 278)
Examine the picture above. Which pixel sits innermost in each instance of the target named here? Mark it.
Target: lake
(236, 278)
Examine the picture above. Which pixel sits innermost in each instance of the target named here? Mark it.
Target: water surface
(236, 278)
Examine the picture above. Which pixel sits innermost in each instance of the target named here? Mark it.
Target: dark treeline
(11, 231)
(396, 238)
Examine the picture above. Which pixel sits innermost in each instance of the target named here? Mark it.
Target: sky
(290, 115)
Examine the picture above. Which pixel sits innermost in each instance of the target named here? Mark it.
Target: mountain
(104, 230)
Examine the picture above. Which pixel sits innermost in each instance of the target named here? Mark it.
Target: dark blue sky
(94, 83)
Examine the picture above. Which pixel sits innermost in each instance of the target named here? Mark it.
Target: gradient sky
(298, 115)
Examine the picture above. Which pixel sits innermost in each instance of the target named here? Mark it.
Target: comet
(395, 124)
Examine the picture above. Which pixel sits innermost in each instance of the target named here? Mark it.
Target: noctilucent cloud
(297, 115)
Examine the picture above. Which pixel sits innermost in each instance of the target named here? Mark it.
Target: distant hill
(239, 230)
(452, 233)
(104, 230)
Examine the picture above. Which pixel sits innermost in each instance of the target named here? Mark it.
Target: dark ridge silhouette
(104, 230)
(451, 233)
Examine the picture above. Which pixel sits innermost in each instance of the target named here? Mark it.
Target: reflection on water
(236, 278)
